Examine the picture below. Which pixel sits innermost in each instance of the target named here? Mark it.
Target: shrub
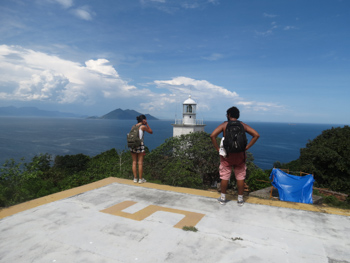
(258, 179)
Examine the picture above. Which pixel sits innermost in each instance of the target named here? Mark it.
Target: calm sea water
(27, 137)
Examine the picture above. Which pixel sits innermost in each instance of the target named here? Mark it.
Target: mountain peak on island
(120, 114)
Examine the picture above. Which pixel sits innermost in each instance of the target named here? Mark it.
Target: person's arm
(215, 134)
(252, 133)
(145, 127)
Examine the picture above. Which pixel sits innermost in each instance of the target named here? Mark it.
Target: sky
(276, 60)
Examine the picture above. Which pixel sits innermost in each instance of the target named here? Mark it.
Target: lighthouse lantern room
(189, 123)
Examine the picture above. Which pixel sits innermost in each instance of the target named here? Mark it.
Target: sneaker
(240, 201)
(141, 181)
(222, 201)
(135, 180)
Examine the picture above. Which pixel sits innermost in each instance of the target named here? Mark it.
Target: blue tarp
(293, 188)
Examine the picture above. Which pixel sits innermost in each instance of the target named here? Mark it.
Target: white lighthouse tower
(189, 123)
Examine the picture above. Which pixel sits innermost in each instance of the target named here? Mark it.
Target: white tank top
(140, 133)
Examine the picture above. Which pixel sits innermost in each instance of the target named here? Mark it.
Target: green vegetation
(186, 161)
(258, 179)
(190, 228)
(327, 157)
(20, 182)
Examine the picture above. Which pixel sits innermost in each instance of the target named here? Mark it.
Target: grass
(190, 228)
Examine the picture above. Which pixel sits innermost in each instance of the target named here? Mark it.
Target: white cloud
(206, 94)
(44, 86)
(150, 1)
(190, 6)
(102, 66)
(213, 57)
(170, 6)
(161, 101)
(203, 88)
(64, 3)
(269, 31)
(39, 76)
(269, 15)
(30, 75)
(83, 13)
(289, 27)
(260, 106)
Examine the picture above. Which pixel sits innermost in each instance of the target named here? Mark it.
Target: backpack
(133, 137)
(235, 137)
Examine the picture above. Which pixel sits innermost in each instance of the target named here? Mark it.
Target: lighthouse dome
(189, 101)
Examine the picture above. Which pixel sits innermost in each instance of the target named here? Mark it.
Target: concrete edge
(5, 212)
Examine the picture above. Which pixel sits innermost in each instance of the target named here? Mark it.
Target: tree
(328, 158)
(21, 181)
(188, 160)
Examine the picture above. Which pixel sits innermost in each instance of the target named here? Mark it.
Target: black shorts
(140, 149)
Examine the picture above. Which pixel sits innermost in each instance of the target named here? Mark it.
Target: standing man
(233, 160)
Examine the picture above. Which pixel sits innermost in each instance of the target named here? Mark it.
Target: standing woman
(139, 153)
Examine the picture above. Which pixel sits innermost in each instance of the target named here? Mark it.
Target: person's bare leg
(240, 187)
(140, 162)
(134, 164)
(224, 184)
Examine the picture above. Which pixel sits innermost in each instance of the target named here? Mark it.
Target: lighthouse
(189, 122)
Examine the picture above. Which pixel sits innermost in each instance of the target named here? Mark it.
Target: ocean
(27, 137)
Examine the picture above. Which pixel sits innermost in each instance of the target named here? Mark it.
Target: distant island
(12, 111)
(117, 114)
(120, 114)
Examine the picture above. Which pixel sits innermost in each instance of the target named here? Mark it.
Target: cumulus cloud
(44, 86)
(161, 101)
(39, 76)
(204, 92)
(30, 75)
(186, 85)
(101, 66)
(206, 95)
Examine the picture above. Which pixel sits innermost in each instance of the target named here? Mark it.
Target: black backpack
(235, 137)
(133, 137)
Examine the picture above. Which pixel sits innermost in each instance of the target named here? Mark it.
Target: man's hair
(233, 112)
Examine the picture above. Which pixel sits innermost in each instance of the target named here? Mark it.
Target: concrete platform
(115, 220)
(266, 192)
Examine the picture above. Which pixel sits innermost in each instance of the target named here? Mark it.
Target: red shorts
(235, 161)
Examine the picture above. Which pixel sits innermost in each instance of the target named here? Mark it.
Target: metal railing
(180, 122)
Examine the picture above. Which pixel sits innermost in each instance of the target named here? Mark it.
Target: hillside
(120, 114)
(12, 111)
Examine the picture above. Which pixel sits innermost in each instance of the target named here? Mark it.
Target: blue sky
(276, 60)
